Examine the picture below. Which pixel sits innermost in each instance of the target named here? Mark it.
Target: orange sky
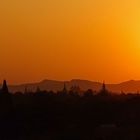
(65, 39)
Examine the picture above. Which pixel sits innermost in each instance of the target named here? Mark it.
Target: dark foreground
(49, 116)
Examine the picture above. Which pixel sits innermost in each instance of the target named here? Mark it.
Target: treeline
(66, 115)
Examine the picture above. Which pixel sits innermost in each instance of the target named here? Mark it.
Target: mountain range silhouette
(131, 86)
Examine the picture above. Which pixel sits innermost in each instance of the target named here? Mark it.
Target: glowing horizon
(64, 40)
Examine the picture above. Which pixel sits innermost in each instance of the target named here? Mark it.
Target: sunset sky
(65, 39)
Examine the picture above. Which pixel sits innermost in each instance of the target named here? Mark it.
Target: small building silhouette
(103, 91)
(64, 91)
(75, 90)
(6, 103)
(4, 88)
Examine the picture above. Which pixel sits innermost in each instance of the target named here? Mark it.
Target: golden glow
(64, 39)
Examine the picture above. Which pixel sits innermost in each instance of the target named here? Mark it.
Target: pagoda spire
(5, 87)
(103, 90)
(104, 86)
(65, 88)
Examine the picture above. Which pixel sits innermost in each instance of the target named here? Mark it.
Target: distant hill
(128, 86)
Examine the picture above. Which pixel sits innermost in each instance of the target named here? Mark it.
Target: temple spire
(5, 87)
(103, 90)
(65, 89)
(103, 87)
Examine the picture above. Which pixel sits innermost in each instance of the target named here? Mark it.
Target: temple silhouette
(104, 91)
(4, 88)
(5, 98)
(68, 115)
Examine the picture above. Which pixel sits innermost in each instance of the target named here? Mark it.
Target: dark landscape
(68, 115)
